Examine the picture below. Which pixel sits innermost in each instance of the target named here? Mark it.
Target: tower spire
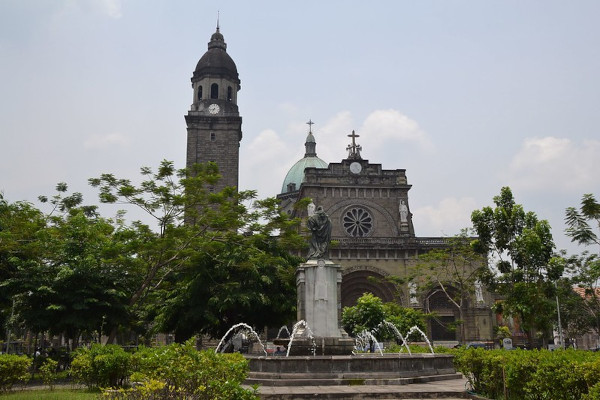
(218, 16)
(310, 145)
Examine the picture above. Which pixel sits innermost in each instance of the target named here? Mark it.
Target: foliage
(578, 221)
(13, 369)
(454, 269)
(522, 247)
(57, 394)
(370, 312)
(213, 261)
(20, 225)
(64, 280)
(530, 374)
(101, 366)
(48, 372)
(180, 371)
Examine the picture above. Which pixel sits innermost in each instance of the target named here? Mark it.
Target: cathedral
(372, 227)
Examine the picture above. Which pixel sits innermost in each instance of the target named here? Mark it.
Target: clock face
(214, 108)
(355, 168)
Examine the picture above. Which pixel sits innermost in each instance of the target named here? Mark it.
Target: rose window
(357, 222)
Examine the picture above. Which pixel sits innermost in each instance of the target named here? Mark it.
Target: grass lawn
(56, 394)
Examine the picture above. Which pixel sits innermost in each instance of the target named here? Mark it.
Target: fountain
(320, 352)
(416, 328)
(396, 333)
(364, 340)
(239, 329)
(298, 331)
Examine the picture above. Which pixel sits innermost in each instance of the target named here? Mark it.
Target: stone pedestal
(318, 284)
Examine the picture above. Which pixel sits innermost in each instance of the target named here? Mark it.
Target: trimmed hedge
(13, 369)
(531, 374)
(181, 372)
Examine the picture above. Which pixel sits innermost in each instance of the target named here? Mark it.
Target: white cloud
(445, 219)
(112, 8)
(264, 162)
(551, 163)
(106, 141)
(383, 128)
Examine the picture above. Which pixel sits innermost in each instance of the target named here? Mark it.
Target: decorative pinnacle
(217, 20)
(354, 149)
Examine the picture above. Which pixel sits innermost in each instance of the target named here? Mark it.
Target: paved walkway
(448, 389)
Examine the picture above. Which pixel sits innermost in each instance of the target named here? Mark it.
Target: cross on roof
(310, 124)
(354, 149)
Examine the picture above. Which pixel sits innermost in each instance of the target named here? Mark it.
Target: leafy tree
(212, 261)
(70, 286)
(578, 221)
(579, 294)
(20, 226)
(521, 246)
(370, 311)
(455, 270)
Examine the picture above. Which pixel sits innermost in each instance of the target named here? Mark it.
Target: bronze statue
(320, 226)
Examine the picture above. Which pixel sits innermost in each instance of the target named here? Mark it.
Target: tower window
(214, 91)
(229, 93)
(213, 137)
(199, 92)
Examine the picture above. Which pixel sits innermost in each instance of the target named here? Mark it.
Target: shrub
(48, 372)
(535, 374)
(180, 371)
(13, 369)
(101, 366)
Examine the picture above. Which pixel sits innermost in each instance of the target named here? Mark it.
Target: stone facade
(373, 238)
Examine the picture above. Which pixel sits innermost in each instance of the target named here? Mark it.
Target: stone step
(354, 379)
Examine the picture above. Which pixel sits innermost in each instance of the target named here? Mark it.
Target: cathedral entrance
(357, 283)
(442, 326)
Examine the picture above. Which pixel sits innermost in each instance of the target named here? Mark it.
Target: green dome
(296, 174)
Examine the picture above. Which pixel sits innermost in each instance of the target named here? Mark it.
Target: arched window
(213, 137)
(229, 93)
(214, 91)
(199, 92)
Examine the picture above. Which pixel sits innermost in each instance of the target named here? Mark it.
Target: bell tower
(214, 125)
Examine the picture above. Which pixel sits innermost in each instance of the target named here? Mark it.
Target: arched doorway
(442, 326)
(357, 282)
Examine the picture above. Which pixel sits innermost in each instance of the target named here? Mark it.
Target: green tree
(370, 312)
(521, 247)
(20, 226)
(578, 221)
(579, 294)
(455, 270)
(71, 286)
(211, 261)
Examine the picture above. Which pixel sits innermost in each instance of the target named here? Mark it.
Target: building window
(214, 91)
(200, 92)
(213, 137)
(229, 93)
(357, 222)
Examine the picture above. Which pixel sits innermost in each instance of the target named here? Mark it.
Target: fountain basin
(358, 369)
(318, 346)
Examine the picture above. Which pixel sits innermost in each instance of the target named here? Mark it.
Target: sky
(467, 96)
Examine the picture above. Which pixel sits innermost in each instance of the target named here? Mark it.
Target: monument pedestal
(319, 284)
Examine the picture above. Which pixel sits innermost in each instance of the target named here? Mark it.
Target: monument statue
(320, 226)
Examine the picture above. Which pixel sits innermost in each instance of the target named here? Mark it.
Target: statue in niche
(311, 209)
(412, 292)
(479, 292)
(403, 208)
(320, 226)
